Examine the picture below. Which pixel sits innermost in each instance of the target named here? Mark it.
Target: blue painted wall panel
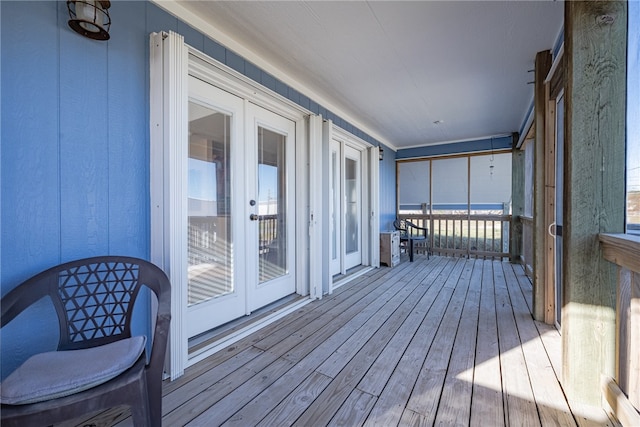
(192, 37)
(314, 107)
(387, 197)
(29, 150)
(84, 151)
(268, 81)
(234, 61)
(253, 72)
(282, 89)
(215, 50)
(157, 19)
(304, 101)
(75, 149)
(29, 165)
(294, 95)
(128, 132)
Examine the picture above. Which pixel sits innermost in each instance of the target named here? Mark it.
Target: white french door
(345, 207)
(352, 207)
(270, 199)
(215, 286)
(240, 208)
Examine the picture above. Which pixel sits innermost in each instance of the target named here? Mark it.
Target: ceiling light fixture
(90, 18)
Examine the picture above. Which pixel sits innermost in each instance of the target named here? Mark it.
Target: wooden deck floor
(444, 341)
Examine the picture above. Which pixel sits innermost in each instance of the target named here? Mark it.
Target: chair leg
(142, 415)
(141, 410)
(410, 250)
(155, 401)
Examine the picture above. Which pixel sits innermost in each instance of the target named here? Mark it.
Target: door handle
(254, 217)
(553, 224)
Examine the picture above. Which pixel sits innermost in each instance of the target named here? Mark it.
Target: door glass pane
(351, 214)
(272, 191)
(210, 249)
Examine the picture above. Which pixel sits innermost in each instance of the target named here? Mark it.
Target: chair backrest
(401, 226)
(408, 229)
(93, 297)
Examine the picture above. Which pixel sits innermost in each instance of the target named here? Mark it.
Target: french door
(352, 207)
(345, 207)
(240, 210)
(271, 230)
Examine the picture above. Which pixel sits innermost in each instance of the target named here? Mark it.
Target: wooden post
(550, 208)
(594, 189)
(517, 207)
(543, 65)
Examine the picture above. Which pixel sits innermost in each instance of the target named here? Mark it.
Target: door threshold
(353, 273)
(207, 343)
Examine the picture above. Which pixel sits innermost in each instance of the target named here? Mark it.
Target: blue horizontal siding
(487, 144)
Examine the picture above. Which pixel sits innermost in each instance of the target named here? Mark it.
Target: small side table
(390, 248)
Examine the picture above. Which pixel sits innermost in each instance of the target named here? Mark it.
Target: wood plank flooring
(445, 341)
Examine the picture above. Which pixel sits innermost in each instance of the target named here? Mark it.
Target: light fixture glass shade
(90, 18)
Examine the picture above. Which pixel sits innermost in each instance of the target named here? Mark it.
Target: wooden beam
(594, 189)
(517, 209)
(542, 67)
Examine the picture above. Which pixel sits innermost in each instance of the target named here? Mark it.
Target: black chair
(98, 364)
(409, 233)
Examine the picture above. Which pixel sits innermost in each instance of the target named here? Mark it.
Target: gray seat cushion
(56, 374)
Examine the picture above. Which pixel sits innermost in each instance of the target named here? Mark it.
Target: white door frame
(370, 199)
(171, 61)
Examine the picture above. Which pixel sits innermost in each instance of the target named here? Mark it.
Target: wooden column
(542, 67)
(517, 207)
(594, 189)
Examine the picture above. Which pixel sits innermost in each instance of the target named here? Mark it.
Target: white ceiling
(393, 68)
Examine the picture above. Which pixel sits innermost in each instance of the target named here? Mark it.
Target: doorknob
(253, 217)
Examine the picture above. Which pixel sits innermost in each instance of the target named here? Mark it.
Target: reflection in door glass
(351, 195)
(272, 234)
(210, 249)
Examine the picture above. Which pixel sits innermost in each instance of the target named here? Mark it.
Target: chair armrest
(419, 230)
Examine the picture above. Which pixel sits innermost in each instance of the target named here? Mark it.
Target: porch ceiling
(395, 68)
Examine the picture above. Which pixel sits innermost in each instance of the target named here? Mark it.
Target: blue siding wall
(74, 152)
(488, 144)
(387, 189)
(75, 148)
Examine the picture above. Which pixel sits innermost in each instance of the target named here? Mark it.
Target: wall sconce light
(380, 153)
(90, 18)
